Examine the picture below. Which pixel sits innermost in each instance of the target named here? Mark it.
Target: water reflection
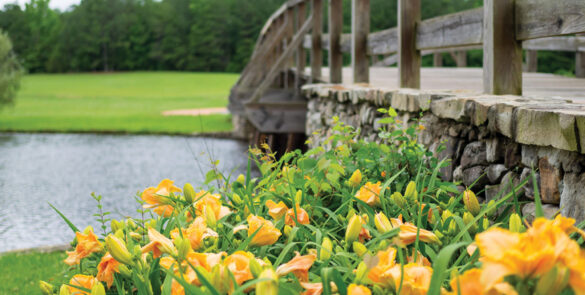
(64, 169)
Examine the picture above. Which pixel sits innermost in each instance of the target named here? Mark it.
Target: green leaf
(71, 225)
(440, 267)
(538, 212)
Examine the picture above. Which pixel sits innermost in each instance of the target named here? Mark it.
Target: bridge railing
(502, 28)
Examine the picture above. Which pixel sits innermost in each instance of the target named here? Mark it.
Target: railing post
(290, 28)
(502, 53)
(531, 61)
(335, 30)
(437, 60)
(409, 58)
(580, 58)
(461, 59)
(301, 58)
(360, 28)
(316, 45)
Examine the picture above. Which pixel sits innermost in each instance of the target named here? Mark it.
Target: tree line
(181, 35)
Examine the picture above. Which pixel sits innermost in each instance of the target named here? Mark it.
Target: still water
(64, 169)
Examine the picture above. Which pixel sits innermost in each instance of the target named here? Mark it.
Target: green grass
(118, 102)
(20, 273)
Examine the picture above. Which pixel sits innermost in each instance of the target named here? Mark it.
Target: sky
(55, 4)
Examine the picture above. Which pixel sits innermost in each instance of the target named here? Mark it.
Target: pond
(64, 169)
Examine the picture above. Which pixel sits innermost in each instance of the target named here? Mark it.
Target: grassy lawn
(21, 272)
(118, 102)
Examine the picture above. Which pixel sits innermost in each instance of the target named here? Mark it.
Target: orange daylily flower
(159, 244)
(354, 289)
(267, 234)
(207, 201)
(87, 243)
(408, 234)
(302, 217)
(531, 254)
(81, 281)
(239, 265)
(415, 280)
(276, 211)
(157, 197)
(205, 260)
(386, 260)
(316, 288)
(370, 193)
(299, 266)
(197, 232)
(106, 269)
(470, 283)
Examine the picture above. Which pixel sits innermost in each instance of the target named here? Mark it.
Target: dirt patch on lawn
(196, 112)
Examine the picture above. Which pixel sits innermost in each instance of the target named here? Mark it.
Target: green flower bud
(46, 288)
(485, 223)
(269, 287)
(326, 249)
(516, 223)
(411, 193)
(361, 272)
(236, 199)
(189, 193)
(553, 281)
(241, 179)
(116, 225)
(64, 290)
(118, 250)
(255, 267)
(491, 208)
(359, 249)
(183, 247)
(353, 229)
(471, 203)
(398, 199)
(98, 289)
(298, 197)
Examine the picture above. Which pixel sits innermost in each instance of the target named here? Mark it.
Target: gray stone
(539, 126)
(496, 172)
(572, 198)
(512, 155)
(529, 155)
(475, 174)
(511, 184)
(458, 174)
(474, 154)
(529, 186)
(450, 108)
(492, 192)
(494, 149)
(528, 211)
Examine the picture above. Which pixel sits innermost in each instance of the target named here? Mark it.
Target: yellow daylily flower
(267, 234)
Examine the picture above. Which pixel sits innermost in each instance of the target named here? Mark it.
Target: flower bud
(46, 288)
(183, 247)
(398, 199)
(64, 290)
(411, 193)
(269, 287)
(118, 250)
(210, 218)
(116, 225)
(326, 249)
(236, 199)
(553, 281)
(136, 236)
(189, 193)
(88, 230)
(361, 272)
(119, 234)
(287, 230)
(468, 219)
(485, 223)
(359, 249)
(516, 223)
(382, 223)
(356, 178)
(353, 229)
(446, 214)
(98, 289)
(298, 197)
(255, 267)
(123, 269)
(471, 203)
(491, 208)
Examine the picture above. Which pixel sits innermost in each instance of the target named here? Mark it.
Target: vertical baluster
(360, 28)
(301, 57)
(316, 46)
(335, 30)
(409, 58)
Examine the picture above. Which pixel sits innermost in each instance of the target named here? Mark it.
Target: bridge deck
(471, 79)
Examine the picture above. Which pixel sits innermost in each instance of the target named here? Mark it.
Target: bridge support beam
(502, 53)
(360, 28)
(316, 45)
(409, 57)
(335, 30)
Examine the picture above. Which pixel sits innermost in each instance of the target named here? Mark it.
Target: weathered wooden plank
(458, 29)
(437, 60)
(301, 57)
(334, 37)
(531, 61)
(279, 64)
(316, 36)
(502, 53)
(290, 30)
(383, 42)
(551, 43)
(387, 61)
(409, 60)
(360, 29)
(545, 18)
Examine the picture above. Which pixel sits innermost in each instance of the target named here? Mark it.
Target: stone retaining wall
(499, 136)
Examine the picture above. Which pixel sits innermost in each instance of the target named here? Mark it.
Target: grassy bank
(118, 102)
(21, 272)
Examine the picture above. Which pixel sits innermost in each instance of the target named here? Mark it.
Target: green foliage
(10, 71)
(27, 269)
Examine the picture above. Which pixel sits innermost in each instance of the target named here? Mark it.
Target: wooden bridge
(267, 97)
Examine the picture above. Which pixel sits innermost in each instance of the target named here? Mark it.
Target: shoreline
(219, 134)
(40, 249)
